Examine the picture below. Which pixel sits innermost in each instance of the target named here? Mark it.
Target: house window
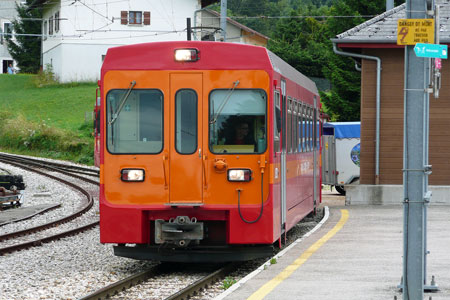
(50, 26)
(57, 21)
(44, 30)
(7, 29)
(135, 17)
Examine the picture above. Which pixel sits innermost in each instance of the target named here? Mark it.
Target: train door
(283, 155)
(186, 142)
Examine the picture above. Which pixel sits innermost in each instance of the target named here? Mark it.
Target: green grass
(61, 106)
(46, 121)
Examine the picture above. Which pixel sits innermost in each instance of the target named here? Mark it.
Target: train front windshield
(237, 121)
(134, 121)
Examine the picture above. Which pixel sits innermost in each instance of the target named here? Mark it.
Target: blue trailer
(340, 154)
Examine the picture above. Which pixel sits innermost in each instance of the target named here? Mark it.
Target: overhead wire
(169, 20)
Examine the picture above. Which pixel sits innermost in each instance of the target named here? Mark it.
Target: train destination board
(413, 31)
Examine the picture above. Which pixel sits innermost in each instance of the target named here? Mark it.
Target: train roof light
(132, 175)
(240, 175)
(186, 55)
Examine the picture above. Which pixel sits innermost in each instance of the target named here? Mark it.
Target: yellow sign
(413, 31)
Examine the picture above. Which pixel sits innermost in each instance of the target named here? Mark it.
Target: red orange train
(207, 151)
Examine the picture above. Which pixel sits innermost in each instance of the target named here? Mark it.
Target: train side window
(310, 130)
(237, 121)
(277, 122)
(303, 126)
(295, 128)
(315, 129)
(289, 125)
(319, 130)
(134, 123)
(186, 121)
(299, 125)
(307, 129)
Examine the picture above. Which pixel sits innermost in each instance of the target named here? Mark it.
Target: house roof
(383, 28)
(237, 24)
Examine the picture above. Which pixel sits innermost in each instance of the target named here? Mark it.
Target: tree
(301, 41)
(26, 49)
(343, 101)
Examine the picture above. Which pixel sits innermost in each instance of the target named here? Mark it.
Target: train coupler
(180, 231)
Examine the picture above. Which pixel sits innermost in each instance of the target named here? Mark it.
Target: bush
(21, 135)
(46, 77)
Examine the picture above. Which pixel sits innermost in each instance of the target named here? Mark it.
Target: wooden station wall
(391, 121)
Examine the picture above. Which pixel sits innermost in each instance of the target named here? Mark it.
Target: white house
(77, 33)
(8, 13)
(236, 32)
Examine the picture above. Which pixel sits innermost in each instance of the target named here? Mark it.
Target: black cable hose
(262, 203)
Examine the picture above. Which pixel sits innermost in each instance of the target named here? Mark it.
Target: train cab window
(237, 121)
(134, 121)
(186, 121)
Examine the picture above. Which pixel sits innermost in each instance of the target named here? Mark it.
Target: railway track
(37, 166)
(159, 270)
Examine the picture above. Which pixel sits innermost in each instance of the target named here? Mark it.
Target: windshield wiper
(224, 102)
(122, 102)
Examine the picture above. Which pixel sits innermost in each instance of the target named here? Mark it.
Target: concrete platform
(366, 194)
(361, 258)
(22, 213)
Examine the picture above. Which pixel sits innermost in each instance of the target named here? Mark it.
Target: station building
(377, 39)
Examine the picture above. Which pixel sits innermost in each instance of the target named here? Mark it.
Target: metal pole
(415, 160)
(389, 4)
(189, 29)
(223, 19)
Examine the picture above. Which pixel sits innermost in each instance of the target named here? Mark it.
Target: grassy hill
(46, 121)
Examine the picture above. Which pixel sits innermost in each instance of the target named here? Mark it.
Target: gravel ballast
(76, 266)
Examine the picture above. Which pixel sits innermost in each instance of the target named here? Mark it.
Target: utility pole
(223, 19)
(415, 161)
(389, 4)
(189, 28)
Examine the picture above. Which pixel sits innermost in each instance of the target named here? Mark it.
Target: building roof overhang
(381, 31)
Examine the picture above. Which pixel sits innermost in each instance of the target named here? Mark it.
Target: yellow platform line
(272, 284)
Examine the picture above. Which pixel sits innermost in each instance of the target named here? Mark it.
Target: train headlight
(241, 175)
(134, 175)
(186, 55)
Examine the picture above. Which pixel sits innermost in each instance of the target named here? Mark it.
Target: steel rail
(39, 242)
(79, 212)
(121, 285)
(189, 291)
(62, 220)
(57, 165)
(32, 215)
(50, 166)
(202, 283)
